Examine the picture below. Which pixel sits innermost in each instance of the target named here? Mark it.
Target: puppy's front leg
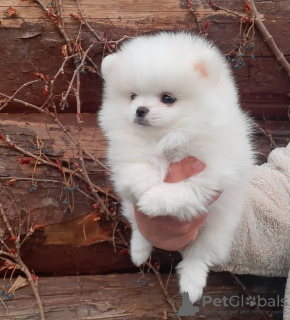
(132, 180)
(174, 144)
(184, 199)
(192, 277)
(140, 247)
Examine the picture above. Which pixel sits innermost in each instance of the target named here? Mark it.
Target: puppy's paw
(156, 201)
(170, 199)
(173, 144)
(139, 257)
(149, 204)
(192, 278)
(140, 248)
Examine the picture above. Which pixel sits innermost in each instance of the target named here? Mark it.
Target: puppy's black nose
(141, 111)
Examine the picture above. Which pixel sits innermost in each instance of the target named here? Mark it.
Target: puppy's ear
(209, 66)
(109, 65)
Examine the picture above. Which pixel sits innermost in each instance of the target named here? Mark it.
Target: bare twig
(4, 305)
(107, 44)
(117, 42)
(84, 20)
(32, 283)
(95, 68)
(219, 8)
(246, 291)
(269, 39)
(7, 223)
(60, 71)
(54, 117)
(13, 257)
(59, 24)
(268, 134)
(15, 93)
(149, 264)
(65, 170)
(42, 5)
(169, 276)
(6, 254)
(64, 99)
(62, 27)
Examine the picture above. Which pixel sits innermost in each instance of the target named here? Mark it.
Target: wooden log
(130, 296)
(30, 42)
(73, 242)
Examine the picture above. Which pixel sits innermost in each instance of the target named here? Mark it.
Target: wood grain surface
(130, 296)
(30, 42)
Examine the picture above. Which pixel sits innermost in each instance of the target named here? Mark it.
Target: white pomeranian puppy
(167, 97)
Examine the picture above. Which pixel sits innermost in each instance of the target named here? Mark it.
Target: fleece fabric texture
(262, 241)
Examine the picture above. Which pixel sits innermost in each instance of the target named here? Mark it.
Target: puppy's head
(163, 81)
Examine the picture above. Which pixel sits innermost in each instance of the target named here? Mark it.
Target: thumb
(187, 167)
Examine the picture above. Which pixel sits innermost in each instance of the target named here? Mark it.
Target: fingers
(168, 233)
(179, 171)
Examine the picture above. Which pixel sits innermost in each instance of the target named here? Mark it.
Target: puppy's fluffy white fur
(205, 121)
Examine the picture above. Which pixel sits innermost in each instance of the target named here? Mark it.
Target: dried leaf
(11, 182)
(188, 3)
(64, 50)
(123, 252)
(96, 218)
(45, 90)
(248, 8)
(11, 11)
(12, 251)
(245, 19)
(205, 27)
(2, 137)
(38, 227)
(25, 160)
(38, 75)
(59, 165)
(34, 277)
(20, 282)
(8, 265)
(73, 15)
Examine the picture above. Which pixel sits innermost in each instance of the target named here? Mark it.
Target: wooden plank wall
(74, 242)
(29, 42)
(132, 297)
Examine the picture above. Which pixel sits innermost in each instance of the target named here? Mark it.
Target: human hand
(166, 232)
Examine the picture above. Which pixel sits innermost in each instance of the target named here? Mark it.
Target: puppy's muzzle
(140, 116)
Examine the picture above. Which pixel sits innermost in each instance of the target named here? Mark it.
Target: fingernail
(198, 165)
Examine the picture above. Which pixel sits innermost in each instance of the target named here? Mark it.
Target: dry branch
(13, 256)
(269, 39)
(64, 99)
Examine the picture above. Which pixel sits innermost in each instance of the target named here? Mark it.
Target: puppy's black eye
(133, 96)
(166, 98)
